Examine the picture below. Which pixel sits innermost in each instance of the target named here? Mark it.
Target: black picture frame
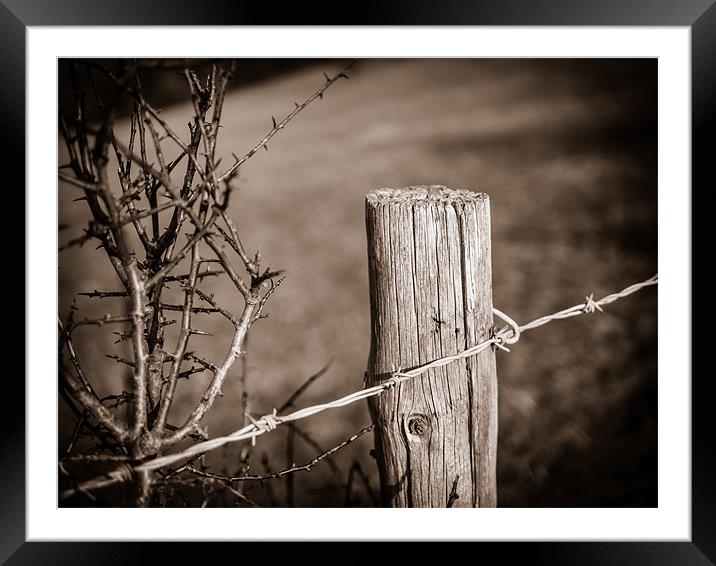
(699, 15)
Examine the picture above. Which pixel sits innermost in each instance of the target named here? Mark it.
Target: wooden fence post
(431, 296)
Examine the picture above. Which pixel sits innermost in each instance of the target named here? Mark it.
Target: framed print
(304, 275)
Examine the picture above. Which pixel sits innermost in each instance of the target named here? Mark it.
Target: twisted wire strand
(508, 335)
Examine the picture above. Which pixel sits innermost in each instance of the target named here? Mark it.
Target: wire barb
(591, 305)
(267, 423)
(396, 379)
(124, 473)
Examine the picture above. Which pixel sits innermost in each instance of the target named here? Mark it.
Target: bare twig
(290, 463)
(308, 439)
(103, 294)
(214, 388)
(304, 386)
(200, 275)
(182, 342)
(290, 470)
(278, 126)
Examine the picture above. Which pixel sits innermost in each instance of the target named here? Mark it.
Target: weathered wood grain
(431, 295)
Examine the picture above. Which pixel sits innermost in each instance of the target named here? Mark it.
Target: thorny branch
(290, 470)
(167, 187)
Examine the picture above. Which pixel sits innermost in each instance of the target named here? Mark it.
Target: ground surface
(567, 152)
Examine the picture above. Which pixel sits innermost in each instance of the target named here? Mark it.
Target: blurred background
(566, 150)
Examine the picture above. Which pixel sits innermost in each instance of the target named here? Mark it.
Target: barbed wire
(500, 339)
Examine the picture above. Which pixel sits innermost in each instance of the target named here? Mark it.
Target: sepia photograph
(416, 282)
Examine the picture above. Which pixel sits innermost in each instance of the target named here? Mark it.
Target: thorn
(200, 333)
(274, 122)
(296, 104)
(265, 147)
(328, 79)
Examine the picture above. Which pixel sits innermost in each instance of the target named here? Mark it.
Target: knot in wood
(418, 425)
